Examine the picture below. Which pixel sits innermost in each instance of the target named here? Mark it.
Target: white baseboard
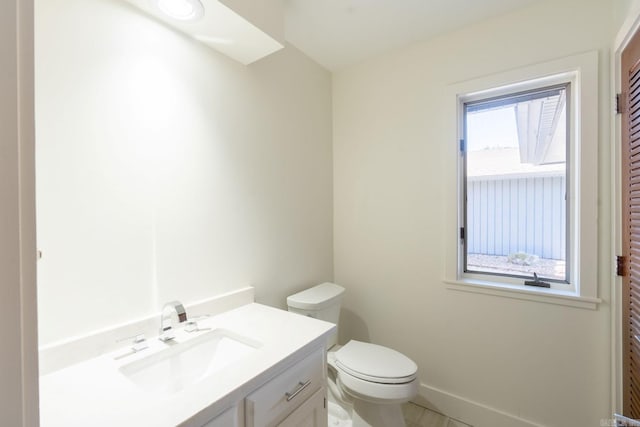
(465, 410)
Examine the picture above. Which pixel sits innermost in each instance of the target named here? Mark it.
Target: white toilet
(370, 380)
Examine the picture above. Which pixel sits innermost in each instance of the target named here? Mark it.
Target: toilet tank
(320, 302)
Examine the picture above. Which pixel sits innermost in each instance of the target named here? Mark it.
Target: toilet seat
(375, 363)
(373, 373)
(376, 392)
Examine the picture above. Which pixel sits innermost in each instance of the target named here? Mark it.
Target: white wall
(488, 360)
(18, 353)
(621, 10)
(167, 171)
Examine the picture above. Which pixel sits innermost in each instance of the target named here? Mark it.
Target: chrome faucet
(166, 328)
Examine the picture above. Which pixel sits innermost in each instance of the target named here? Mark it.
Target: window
(515, 185)
(524, 192)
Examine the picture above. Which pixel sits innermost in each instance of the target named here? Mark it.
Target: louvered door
(630, 103)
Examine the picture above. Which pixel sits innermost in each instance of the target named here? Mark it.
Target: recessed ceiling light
(183, 10)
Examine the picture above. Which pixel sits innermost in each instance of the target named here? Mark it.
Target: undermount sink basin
(186, 363)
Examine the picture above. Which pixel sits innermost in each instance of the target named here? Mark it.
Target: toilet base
(367, 411)
(353, 412)
(366, 414)
(338, 416)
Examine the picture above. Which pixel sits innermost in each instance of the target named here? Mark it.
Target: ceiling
(339, 33)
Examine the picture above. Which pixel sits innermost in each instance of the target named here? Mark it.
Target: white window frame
(581, 71)
(564, 81)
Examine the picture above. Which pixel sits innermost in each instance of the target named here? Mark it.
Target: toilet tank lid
(317, 297)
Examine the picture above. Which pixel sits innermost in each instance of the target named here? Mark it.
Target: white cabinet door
(229, 418)
(312, 413)
(271, 403)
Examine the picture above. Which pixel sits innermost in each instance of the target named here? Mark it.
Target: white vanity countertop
(95, 393)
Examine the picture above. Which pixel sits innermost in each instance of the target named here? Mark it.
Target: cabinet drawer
(272, 402)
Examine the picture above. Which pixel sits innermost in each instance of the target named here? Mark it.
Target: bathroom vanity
(251, 366)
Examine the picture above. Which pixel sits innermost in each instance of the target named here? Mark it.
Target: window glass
(515, 185)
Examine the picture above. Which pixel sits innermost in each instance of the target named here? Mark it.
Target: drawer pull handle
(297, 391)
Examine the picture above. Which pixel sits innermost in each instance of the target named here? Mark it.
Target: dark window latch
(537, 282)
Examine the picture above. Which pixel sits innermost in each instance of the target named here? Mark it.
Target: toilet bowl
(370, 381)
(375, 373)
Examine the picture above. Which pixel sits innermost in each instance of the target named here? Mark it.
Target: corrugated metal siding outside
(521, 214)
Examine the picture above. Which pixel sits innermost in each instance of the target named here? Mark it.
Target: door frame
(627, 30)
(18, 311)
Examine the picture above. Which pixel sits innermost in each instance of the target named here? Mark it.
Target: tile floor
(417, 416)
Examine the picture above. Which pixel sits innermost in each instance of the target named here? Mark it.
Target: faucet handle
(139, 342)
(166, 334)
(192, 324)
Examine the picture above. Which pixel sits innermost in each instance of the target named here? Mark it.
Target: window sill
(548, 296)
